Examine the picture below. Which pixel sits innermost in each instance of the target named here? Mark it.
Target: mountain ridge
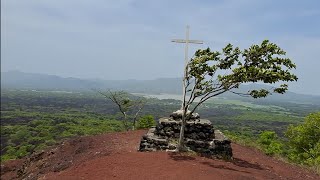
(37, 81)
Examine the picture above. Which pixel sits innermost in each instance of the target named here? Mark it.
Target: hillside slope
(115, 156)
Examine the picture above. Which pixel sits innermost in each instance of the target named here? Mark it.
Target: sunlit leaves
(259, 93)
(282, 89)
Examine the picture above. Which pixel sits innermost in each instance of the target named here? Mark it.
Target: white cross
(186, 41)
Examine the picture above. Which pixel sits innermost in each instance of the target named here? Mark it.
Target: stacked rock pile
(200, 136)
(200, 129)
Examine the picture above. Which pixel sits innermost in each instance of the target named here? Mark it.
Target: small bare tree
(129, 107)
(211, 73)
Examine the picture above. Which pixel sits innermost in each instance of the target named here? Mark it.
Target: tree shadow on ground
(181, 157)
(235, 161)
(210, 164)
(245, 164)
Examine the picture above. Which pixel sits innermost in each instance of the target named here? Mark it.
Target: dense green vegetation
(248, 116)
(33, 120)
(304, 141)
(45, 129)
(301, 145)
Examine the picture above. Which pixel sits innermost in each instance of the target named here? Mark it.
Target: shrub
(146, 122)
(270, 143)
(304, 141)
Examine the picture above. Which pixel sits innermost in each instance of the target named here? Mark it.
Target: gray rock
(200, 137)
(177, 115)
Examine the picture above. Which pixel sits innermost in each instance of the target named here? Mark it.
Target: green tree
(146, 121)
(211, 73)
(304, 141)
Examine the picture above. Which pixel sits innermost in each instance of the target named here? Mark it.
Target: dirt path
(115, 156)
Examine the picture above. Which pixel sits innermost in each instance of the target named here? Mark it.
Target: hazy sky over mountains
(130, 39)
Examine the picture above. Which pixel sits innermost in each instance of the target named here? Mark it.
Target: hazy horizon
(130, 39)
(119, 80)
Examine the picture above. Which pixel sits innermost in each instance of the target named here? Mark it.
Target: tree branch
(192, 96)
(241, 94)
(200, 102)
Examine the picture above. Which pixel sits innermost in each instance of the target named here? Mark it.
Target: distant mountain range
(22, 80)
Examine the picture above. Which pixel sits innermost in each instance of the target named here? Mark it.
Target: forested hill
(21, 80)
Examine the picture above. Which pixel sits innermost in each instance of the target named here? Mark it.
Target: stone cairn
(200, 136)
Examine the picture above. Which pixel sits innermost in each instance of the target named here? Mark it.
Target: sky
(131, 39)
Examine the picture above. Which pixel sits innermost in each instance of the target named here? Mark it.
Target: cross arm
(189, 41)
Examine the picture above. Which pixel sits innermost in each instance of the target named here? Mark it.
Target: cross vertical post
(186, 41)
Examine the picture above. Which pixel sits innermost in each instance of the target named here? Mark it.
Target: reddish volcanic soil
(115, 156)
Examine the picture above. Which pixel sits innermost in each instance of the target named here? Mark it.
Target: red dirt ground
(114, 156)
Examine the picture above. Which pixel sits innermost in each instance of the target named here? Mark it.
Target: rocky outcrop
(200, 136)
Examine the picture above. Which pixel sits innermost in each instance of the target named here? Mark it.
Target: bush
(270, 143)
(146, 122)
(304, 141)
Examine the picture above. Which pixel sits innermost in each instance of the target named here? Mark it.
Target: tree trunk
(181, 146)
(125, 122)
(134, 124)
